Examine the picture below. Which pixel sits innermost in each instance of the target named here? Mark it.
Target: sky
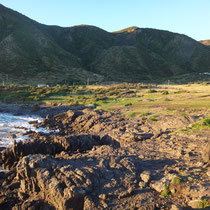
(189, 17)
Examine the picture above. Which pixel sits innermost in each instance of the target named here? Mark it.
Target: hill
(34, 53)
(27, 54)
(205, 42)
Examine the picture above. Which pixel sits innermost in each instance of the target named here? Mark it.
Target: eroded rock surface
(101, 160)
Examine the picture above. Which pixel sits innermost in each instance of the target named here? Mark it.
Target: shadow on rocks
(52, 145)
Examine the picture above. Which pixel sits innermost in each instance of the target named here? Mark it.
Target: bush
(206, 122)
(203, 124)
(114, 92)
(176, 180)
(204, 204)
(151, 91)
(165, 92)
(165, 192)
(204, 83)
(168, 99)
(128, 104)
(132, 114)
(145, 114)
(8, 99)
(154, 118)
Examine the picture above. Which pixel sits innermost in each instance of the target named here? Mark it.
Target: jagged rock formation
(100, 160)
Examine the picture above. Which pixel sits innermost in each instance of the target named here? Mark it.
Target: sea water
(12, 124)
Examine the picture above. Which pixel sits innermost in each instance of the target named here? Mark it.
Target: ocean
(13, 124)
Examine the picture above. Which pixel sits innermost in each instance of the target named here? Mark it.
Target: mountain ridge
(39, 53)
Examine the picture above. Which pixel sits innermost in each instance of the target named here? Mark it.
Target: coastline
(34, 110)
(93, 148)
(41, 110)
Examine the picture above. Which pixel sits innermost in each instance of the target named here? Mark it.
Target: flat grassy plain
(130, 99)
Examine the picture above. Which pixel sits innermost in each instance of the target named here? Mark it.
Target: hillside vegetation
(32, 53)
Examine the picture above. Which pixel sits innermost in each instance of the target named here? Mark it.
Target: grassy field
(129, 99)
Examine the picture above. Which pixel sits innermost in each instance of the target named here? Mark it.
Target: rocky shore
(103, 160)
(36, 109)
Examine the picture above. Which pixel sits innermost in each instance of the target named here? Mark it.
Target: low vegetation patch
(168, 99)
(139, 100)
(176, 180)
(151, 91)
(133, 114)
(204, 203)
(166, 192)
(154, 117)
(165, 92)
(201, 125)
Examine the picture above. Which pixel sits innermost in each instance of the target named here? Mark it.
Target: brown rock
(206, 153)
(194, 203)
(145, 176)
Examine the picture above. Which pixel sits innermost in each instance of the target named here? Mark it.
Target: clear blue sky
(190, 17)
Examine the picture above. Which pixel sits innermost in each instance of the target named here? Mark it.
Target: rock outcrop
(102, 160)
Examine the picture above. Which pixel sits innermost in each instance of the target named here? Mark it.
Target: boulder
(145, 176)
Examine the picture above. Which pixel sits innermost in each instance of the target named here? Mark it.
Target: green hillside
(35, 53)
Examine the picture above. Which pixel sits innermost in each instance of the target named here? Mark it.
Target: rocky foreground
(102, 160)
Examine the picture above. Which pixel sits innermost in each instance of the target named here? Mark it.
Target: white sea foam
(11, 124)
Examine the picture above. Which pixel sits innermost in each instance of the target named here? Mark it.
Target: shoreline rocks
(43, 111)
(102, 160)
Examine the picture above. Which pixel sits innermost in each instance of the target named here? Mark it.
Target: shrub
(176, 180)
(128, 104)
(203, 124)
(145, 114)
(204, 204)
(206, 122)
(168, 99)
(36, 98)
(165, 92)
(165, 192)
(154, 118)
(132, 114)
(114, 92)
(8, 99)
(204, 83)
(151, 91)
(184, 115)
(180, 91)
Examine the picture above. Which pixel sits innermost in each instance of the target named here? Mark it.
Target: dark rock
(33, 122)
(35, 204)
(42, 144)
(11, 136)
(15, 185)
(45, 145)
(3, 174)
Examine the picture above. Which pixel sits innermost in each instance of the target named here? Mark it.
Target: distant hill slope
(35, 53)
(205, 42)
(27, 54)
